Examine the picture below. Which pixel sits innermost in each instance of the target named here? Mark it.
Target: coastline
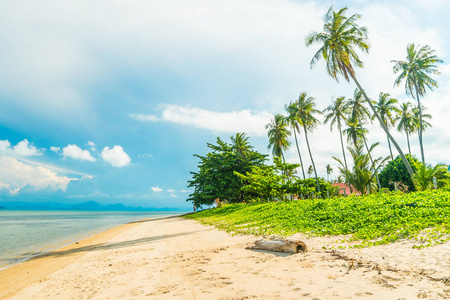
(23, 235)
(176, 258)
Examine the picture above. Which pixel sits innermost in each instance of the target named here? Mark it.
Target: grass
(373, 220)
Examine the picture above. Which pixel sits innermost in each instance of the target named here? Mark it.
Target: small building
(344, 189)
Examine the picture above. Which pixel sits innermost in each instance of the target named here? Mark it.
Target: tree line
(340, 37)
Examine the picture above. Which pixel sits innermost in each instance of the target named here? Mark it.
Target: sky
(109, 100)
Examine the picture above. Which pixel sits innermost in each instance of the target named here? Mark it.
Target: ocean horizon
(28, 233)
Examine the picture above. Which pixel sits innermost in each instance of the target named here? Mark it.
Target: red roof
(344, 189)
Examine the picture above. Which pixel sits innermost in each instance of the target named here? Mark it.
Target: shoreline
(36, 249)
(19, 274)
(177, 258)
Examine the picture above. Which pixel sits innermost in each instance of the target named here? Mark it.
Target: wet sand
(175, 258)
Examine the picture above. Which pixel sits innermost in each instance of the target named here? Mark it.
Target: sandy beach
(175, 258)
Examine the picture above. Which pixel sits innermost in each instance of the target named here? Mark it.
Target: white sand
(174, 258)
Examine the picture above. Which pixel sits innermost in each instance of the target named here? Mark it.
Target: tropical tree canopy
(415, 70)
(215, 177)
(339, 38)
(395, 173)
(278, 134)
(240, 144)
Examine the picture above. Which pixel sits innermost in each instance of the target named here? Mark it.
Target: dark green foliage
(215, 177)
(395, 171)
(374, 219)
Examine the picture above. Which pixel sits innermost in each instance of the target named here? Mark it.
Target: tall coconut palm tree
(278, 134)
(335, 114)
(310, 170)
(425, 124)
(305, 111)
(341, 35)
(387, 109)
(240, 144)
(415, 70)
(329, 171)
(405, 118)
(293, 121)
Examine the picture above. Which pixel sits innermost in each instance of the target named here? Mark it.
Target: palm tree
(293, 121)
(354, 132)
(405, 118)
(386, 107)
(416, 111)
(419, 62)
(305, 111)
(423, 179)
(310, 170)
(240, 144)
(278, 136)
(337, 113)
(341, 34)
(364, 170)
(329, 171)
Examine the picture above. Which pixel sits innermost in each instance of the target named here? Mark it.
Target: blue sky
(108, 101)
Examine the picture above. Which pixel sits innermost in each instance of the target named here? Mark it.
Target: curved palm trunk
(299, 155)
(407, 138)
(312, 160)
(405, 161)
(420, 126)
(342, 145)
(390, 150)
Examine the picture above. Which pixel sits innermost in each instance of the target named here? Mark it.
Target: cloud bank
(15, 175)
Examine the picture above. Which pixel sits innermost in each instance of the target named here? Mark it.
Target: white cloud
(144, 117)
(92, 145)
(15, 175)
(247, 121)
(116, 156)
(170, 190)
(22, 149)
(75, 152)
(55, 149)
(156, 189)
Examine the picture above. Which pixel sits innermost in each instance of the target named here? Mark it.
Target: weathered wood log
(280, 245)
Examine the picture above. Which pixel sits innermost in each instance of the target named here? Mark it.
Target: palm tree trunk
(298, 150)
(405, 161)
(407, 138)
(370, 156)
(312, 160)
(420, 126)
(342, 145)
(390, 150)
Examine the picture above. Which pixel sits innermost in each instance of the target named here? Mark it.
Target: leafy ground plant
(373, 220)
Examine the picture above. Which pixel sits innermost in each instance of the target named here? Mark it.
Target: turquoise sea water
(24, 234)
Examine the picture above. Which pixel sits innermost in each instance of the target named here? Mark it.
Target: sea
(25, 234)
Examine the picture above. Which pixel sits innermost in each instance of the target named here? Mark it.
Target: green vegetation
(371, 220)
(256, 198)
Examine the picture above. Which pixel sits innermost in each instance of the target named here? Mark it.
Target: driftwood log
(280, 245)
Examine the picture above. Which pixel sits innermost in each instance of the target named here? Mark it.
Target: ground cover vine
(373, 220)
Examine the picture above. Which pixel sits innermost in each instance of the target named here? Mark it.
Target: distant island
(86, 206)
